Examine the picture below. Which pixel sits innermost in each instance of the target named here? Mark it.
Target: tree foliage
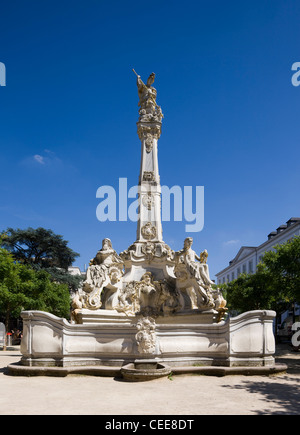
(23, 288)
(43, 250)
(283, 265)
(251, 292)
(38, 247)
(275, 283)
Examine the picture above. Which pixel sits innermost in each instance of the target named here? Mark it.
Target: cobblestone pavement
(181, 395)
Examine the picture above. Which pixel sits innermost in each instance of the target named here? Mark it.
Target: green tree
(39, 247)
(11, 298)
(283, 265)
(23, 288)
(274, 285)
(251, 292)
(43, 249)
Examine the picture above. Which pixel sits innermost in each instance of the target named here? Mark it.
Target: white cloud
(39, 159)
(48, 158)
(231, 242)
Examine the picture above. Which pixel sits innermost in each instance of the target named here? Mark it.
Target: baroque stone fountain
(147, 310)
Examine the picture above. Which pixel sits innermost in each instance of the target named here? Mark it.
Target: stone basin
(144, 371)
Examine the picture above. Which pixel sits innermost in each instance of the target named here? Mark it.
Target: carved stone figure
(149, 110)
(146, 337)
(169, 298)
(203, 256)
(148, 231)
(76, 306)
(149, 297)
(220, 304)
(149, 143)
(105, 269)
(194, 276)
(140, 296)
(148, 249)
(148, 200)
(128, 299)
(148, 294)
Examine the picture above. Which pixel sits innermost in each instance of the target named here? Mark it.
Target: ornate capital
(148, 132)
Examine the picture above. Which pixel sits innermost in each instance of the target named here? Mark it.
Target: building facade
(248, 257)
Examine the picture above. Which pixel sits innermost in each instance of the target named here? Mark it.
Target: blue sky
(69, 109)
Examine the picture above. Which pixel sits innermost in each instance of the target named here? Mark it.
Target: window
(244, 268)
(227, 278)
(232, 276)
(238, 271)
(250, 266)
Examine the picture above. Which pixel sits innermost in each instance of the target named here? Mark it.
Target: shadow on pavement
(281, 392)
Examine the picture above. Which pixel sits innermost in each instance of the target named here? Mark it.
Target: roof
(244, 251)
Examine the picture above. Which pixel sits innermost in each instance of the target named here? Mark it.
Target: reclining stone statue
(193, 276)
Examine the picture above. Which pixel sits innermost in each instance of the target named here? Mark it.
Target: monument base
(185, 342)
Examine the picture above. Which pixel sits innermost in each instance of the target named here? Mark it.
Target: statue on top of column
(149, 110)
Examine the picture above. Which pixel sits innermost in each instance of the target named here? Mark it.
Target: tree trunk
(7, 317)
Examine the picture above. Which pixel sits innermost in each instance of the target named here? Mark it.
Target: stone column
(149, 226)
